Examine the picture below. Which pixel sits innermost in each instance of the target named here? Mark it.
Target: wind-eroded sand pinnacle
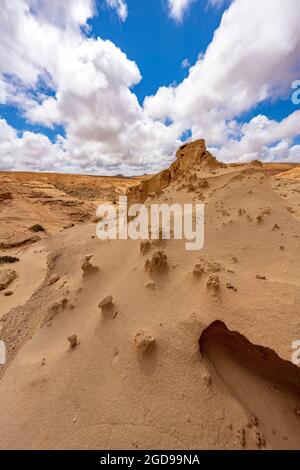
(87, 267)
(213, 283)
(158, 263)
(143, 341)
(73, 340)
(107, 303)
(145, 247)
(198, 270)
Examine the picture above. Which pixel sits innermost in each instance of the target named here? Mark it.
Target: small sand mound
(151, 285)
(54, 278)
(37, 228)
(263, 213)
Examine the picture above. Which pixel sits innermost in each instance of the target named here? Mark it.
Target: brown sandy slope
(51, 200)
(278, 168)
(292, 174)
(235, 390)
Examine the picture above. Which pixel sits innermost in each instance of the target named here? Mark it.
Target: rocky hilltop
(189, 156)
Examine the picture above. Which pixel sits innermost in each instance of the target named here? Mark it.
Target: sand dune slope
(267, 385)
(136, 377)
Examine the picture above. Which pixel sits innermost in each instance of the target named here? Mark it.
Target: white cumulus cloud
(56, 75)
(262, 138)
(254, 56)
(177, 8)
(120, 6)
(218, 3)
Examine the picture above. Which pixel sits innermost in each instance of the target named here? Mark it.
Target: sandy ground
(180, 360)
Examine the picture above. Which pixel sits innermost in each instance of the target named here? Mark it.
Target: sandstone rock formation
(6, 278)
(158, 263)
(143, 341)
(188, 156)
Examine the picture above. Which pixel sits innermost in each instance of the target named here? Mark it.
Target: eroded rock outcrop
(6, 278)
(143, 341)
(188, 156)
(157, 264)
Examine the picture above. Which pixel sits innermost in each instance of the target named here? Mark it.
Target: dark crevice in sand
(266, 385)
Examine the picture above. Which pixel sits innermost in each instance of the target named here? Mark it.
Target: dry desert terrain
(126, 344)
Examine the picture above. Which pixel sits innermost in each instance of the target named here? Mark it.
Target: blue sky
(145, 37)
(86, 89)
(156, 42)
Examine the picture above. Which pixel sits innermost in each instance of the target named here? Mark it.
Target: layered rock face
(193, 154)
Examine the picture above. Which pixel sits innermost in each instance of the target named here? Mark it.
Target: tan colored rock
(107, 303)
(231, 287)
(256, 163)
(158, 263)
(207, 380)
(198, 270)
(241, 435)
(73, 340)
(53, 279)
(260, 440)
(8, 293)
(7, 276)
(87, 267)
(263, 213)
(143, 341)
(203, 183)
(145, 247)
(213, 283)
(151, 285)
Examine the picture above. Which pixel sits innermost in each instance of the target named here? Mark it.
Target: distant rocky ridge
(188, 156)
